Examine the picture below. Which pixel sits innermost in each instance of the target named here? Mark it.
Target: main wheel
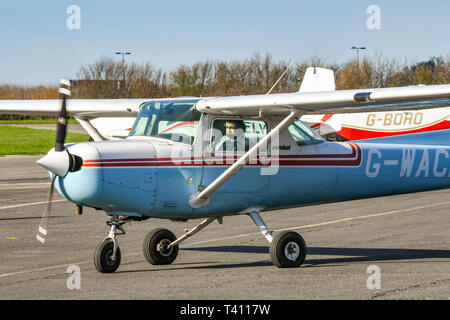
(102, 257)
(287, 250)
(155, 247)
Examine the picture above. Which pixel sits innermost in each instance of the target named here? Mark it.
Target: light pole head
(123, 53)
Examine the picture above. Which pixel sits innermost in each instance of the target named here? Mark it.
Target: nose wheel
(104, 260)
(107, 254)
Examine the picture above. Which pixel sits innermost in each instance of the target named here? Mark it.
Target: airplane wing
(86, 108)
(84, 111)
(341, 101)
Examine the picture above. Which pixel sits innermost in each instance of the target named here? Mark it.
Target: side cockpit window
(233, 135)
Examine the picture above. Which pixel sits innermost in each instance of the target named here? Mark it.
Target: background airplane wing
(75, 107)
(342, 101)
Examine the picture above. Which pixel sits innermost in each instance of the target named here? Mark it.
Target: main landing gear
(156, 247)
(287, 248)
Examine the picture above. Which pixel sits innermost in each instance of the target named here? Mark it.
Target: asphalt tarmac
(392, 247)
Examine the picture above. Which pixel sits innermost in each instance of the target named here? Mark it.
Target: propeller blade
(43, 226)
(61, 128)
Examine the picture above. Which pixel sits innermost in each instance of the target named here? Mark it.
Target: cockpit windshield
(176, 120)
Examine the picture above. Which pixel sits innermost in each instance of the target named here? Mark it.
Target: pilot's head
(231, 127)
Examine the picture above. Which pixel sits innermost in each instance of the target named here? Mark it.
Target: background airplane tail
(318, 79)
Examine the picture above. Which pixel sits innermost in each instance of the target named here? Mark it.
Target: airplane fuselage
(142, 177)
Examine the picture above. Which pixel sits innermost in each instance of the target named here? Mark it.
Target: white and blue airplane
(207, 158)
(94, 115)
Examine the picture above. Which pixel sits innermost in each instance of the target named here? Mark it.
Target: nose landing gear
(104, 259)
(107, 254)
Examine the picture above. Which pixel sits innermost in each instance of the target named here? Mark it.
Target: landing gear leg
(107, 254)
(287, 248)
(263, 228)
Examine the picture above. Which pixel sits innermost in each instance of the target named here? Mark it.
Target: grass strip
(36, 121)
(26, 141)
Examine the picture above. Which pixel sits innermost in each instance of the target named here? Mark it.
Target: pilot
(234, 138)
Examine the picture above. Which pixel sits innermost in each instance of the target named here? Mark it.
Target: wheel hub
(110, 260)
(162, 248)
(292, 251)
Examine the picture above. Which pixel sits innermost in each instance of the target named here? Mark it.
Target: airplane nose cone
(60, 162)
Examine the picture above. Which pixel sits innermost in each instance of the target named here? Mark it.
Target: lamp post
(357, 51)
(123, 64)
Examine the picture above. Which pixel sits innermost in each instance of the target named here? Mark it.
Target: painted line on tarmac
(19, 186)
(247, 235)
(42, 269)
(29, 204)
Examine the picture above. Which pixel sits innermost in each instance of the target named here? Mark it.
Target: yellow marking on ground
(24, 188)
(18, 186)
(43, 269)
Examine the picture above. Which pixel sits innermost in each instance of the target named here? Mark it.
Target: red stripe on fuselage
(283, 160)
(359, 134)
(283, 156)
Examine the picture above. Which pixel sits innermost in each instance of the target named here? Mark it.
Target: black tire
(102, 255)
(287, 250)
(153, 252)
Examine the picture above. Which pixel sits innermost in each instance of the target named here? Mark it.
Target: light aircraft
(183, 160)
(368, 125)
(332, 127)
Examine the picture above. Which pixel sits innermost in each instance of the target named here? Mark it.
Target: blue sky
(38, 48)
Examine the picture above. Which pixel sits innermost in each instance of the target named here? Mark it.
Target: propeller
(59, 160)
(42, 230)
(61, 126)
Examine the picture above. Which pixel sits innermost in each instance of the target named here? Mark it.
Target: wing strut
(87, 125)
(198, 200)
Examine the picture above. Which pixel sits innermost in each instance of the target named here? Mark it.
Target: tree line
(108, 78)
